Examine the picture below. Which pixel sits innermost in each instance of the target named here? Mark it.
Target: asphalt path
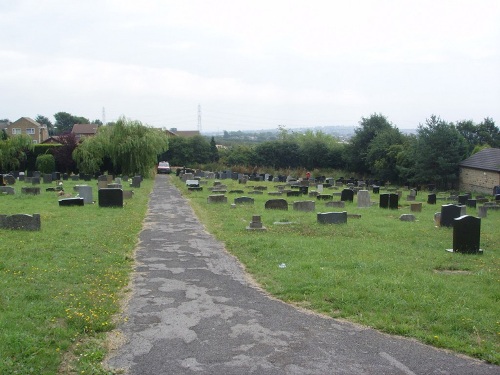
(195, 311)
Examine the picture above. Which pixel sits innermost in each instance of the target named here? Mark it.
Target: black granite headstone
(393, 201)
(462, 199)
(384, 200)
(347, 195)
(376, 189)
(294, 193)
(332, 217)
(449, 212)
(466, 234)
(71, 202)
(471, 203)
(304, 190)
(431, 198)
(110, 197)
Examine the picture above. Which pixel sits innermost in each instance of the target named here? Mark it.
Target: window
(30, 131)
(35, 141)
(16, 131)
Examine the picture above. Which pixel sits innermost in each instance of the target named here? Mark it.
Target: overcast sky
(251, 64)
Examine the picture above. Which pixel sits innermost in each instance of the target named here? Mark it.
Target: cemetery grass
(61, 287)
(378, 271)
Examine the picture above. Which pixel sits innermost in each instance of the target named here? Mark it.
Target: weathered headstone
(128, 194)
(306, 206)
(295, 193)
(416, 207)
(217, 198)
(7, 190)
(407, 217)
(136, 182)
(336, 204)
(466, 234)
(192, 183)
(363, 199)
(324, 197)
(20, 221)
(304, 190)
(449, 212)
(30, 190)
(482, 211)
(462, 199)
(347, 195)
(256, 223)
(437, 219)
(244, 200)
(110, 197)
(276, 204)
(471, 203)
(332, 217)
(9, 179)
(376, 189)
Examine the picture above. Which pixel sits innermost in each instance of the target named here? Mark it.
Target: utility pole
(103, 116)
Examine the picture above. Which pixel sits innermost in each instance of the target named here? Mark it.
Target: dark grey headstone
(471, 203)
(431, 198)
(393, 201)
(8, 190)
(449, 212)
(71, 202)
(30, 190)
(35, 180)
(466, 234)
(462, 199)
(347, 195)
(136, 182)
(2, 183)
(296, 193)
(332, 217)
(110, 197)
(324, 197)
(306, 206)
(336, 204)
(304, 190)
(9, 179)
(47, 178)
(20, 221)
(376, 190)
(276, 204)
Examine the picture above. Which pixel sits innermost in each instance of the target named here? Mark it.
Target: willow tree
(13, 151)
(132, 147)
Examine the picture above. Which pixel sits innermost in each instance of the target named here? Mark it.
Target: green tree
(438, 150)
(214, 152)
(200, 149)
(65, 121)
(45, 163)
(356, 152)
(63, 153)
(13, 151)
(239, 155)
(382, 154)
(133, 148)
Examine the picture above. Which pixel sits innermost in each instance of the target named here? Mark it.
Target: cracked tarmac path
(193, 311)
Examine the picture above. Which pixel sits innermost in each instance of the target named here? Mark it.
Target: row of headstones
(107, 197)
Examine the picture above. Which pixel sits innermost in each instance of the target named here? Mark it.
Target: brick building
(481, 172)
(25, 125)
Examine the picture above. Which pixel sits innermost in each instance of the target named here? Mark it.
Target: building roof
(52, 139)
(29, 120)
(84, 129)
(487, 159)
(187, 133)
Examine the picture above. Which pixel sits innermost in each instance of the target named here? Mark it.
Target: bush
(45, 163)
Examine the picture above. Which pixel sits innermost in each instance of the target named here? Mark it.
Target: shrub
(45, 163)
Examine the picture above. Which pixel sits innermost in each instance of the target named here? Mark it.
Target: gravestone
(376, 190)
(324, 197)
(462, 199)
(7, 190)
(384, 200)
(217, 198)
(128, 194)
(192, 183)
(482, 211)
(56, 176)
(21, 176)
(393, 201)
(431, 198)
(276, 204)
(332, 217)
(20, 222)
(114, 185)
(35, 180)
(75, 178)
(244, 200)
(305, 206)
(364, 199)
(76, 201)
(9, 179)
(466, 235)
(256, 223)
(416, 207)
(102, 184)
(347, 195)
(85, 192)
(471, 203)
(407, 217)
(110, 197)
(437, 219)
(30, 190)
(2, 182)
(336, 204)
(294, 194)
(136, 182)
(449, 212)
(65, 177)
(304, 190)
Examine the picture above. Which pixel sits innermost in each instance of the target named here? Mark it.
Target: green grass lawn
(377, 270)
(61, 286)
